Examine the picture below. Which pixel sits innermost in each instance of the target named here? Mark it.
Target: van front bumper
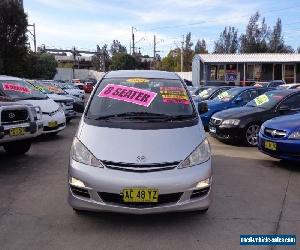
(179, 184)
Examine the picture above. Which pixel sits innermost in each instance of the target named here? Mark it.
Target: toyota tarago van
(140, 147)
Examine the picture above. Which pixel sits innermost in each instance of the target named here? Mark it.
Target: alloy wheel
(252, 134)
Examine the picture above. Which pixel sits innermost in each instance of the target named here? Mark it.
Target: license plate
(16, 131)
(270, 145)
(212, 129)
(52, 124)
(140, 195)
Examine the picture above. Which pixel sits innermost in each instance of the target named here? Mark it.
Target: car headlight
(199, 155)
(234, 122)
(262, 129)
(81, 154)
(295, 135)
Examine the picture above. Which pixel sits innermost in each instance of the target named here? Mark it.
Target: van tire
(17, 147)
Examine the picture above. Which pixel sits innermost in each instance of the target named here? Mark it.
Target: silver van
(140, 147)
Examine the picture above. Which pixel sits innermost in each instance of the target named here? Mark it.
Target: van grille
(118, 199)
(141, 168)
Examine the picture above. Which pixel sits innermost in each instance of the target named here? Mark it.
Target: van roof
(142, 73)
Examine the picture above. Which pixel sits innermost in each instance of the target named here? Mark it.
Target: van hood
(125, 145)
(47, 105)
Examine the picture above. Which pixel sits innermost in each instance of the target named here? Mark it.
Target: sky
(86, 23)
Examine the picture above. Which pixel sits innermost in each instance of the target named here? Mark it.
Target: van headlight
(199, 155)
(81, 154)
(233, 122)
(295, 135)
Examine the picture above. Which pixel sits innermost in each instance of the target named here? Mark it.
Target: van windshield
(138, 98)
(20, 90)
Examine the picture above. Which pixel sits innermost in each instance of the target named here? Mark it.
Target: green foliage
(41, 66)
(123, 61)
(116, 47)
(228, 41)
(200, 47)
(13, 27)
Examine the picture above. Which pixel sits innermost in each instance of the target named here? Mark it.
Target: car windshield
(49, 88)
(204, 94)
(20, 90)
(267, 100)
(228, 95)
(144, 98)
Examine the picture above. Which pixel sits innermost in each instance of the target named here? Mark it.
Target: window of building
(289, 73)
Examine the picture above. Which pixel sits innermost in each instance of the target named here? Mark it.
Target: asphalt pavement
(252, 194)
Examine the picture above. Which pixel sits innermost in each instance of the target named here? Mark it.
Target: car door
(291, 105)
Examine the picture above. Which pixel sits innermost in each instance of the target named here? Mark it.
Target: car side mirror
(202, 107)
(238, 100)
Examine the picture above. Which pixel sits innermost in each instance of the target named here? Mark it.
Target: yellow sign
(203, 93)
(137, 80)
(223, 95)
(260, 100)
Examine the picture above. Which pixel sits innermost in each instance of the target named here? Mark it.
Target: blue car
(235, 97)
(280, 137)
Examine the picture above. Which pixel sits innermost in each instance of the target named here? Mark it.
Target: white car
(73, 90)
(53, 116)
(58, 95)
(140, 148)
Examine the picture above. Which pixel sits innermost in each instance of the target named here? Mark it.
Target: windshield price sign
(128, 94)
(15, 87)
(260, 100)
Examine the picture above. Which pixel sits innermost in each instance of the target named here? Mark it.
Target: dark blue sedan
(235, 97)
(280, 137)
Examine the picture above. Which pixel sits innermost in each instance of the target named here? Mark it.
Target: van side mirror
(202, 107)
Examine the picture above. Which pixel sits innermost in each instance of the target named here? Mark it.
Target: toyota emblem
(141, 158)
(11, 115)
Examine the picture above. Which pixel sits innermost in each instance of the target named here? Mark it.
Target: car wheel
(251, 134)
(17, 148)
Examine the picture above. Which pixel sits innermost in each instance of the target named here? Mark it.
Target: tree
(13, 27)
(276, 43)
(41, 66)
(122, 61)
(117, 47)
(200, 47)
(188, 53)
(101, 59)
(228, 41)
(256, 36)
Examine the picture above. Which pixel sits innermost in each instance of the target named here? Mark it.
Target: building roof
(142, 73)
(248, 58)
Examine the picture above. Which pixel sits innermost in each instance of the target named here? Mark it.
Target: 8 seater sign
(128, 94)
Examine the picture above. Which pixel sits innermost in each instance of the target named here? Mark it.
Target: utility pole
(154, 46)
(33, 35)
(181, 54)
(133, 44)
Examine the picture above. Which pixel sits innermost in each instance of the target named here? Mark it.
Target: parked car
(242, 124)
(289, 86)
(73, 90)
(234, 97)
(209, 93)
(57, 95)
(19, 124)
(123, 159)
(88, 87)
(280, 137)
(78, 83)
(271, 84)
(54, 119)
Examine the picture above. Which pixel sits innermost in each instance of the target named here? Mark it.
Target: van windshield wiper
(145, 115)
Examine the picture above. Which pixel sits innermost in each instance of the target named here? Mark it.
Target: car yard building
(245, 68)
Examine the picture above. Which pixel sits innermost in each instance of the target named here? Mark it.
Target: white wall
(185, 75)
(82, 74)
